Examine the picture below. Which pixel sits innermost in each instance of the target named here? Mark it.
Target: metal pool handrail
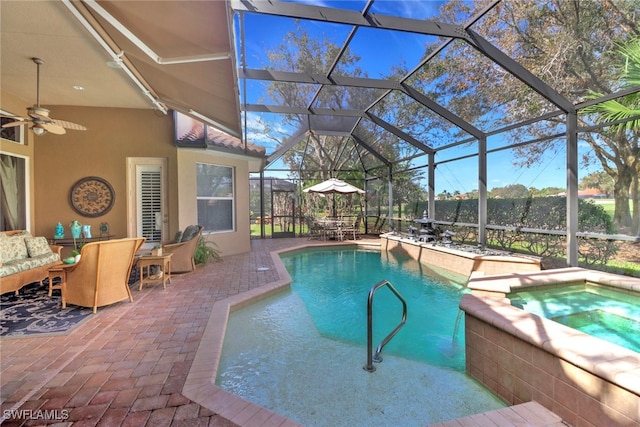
(370, 357)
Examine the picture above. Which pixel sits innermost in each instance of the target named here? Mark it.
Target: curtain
(9, 192)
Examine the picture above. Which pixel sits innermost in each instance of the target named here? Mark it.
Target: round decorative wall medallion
(92, 196)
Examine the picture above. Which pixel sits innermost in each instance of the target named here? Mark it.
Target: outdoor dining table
(331, 227)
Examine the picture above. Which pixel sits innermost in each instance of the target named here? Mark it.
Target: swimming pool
(610, 314)
(301, 352)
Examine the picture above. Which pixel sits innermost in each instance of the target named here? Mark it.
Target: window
(11, 133)
(215, 197)
(13, 193)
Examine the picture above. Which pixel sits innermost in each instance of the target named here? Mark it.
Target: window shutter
(151, 205)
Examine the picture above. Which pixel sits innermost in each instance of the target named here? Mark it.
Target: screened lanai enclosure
(515, 124)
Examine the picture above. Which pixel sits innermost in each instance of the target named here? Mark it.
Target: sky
(379, 52)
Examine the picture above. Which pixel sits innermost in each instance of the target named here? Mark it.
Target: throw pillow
(37, 246)
(178, 237)
(189, 233)
(5, 250)
(13, 248)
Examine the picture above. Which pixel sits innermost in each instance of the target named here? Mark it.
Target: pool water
(328, 280)
(301, 353)
(605, 313)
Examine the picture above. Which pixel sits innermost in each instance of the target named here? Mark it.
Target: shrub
(205, 251)
(545, 213)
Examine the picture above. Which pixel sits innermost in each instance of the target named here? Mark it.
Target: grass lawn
(255, 229)
(609, 205)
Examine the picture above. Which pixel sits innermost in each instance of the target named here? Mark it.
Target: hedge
(545, 213)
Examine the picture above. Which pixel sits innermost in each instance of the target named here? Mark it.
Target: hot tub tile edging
(615, 376)
(559, 340)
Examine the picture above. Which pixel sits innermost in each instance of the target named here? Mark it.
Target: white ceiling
(73, 57)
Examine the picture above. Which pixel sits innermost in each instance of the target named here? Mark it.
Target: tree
(627, 107)
(514, 191)
(569, 45)
(445, 195)
(600, 180)
(546, 192)
(320, 156)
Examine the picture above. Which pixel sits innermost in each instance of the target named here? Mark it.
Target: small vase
(86, 231)
(59, 231)
(75, 228)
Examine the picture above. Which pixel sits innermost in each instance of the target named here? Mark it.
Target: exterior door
(283, 208)
(149, 200)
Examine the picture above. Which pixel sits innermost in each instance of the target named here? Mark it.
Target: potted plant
(205, 252)
(75, 253)
(157, 250)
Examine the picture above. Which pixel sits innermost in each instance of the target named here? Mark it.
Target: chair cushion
(8, 269)
(37, 246)
(189, 233)
(13, 247)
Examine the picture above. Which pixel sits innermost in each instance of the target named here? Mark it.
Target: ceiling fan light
(38, 130)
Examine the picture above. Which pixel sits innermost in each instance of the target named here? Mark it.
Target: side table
(144, 265)
(56, 272)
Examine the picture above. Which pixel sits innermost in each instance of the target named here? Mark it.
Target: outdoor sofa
(25, 259)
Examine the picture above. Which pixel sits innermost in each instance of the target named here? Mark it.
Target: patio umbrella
(332, 186)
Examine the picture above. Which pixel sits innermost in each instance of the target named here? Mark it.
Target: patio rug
(34, 312)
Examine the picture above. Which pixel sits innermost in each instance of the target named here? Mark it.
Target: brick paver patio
(126, 365)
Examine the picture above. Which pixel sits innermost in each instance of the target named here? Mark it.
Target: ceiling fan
(39, 116)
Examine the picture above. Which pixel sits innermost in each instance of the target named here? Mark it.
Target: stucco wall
(228, 243)
(56, 162)
(112, 135)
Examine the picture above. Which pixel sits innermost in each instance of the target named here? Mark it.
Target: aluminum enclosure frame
(367, 19)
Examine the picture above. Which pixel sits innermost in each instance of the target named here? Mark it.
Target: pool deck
(531, 414)
(128, 364)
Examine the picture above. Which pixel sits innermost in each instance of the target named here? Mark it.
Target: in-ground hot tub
(523, 356)
(602, 311)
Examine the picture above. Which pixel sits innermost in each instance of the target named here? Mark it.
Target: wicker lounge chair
(184, 249)
(101, 275)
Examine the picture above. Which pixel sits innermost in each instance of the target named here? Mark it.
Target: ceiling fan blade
(68, 125)
(14, 124)
(6, 116)
(53, 128)
(39, 116)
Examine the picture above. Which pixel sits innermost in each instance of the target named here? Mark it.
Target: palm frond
(625, 109)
